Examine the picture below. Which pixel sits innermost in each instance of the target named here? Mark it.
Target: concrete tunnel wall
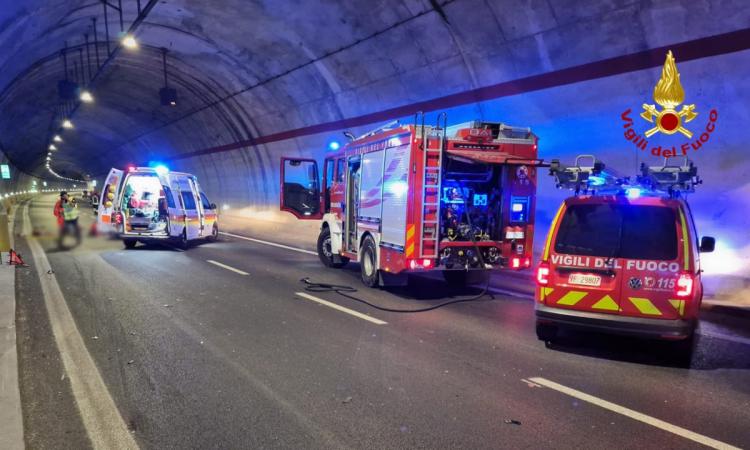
(319, 63)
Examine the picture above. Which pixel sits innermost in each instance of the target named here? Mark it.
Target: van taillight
(685, 285)
(542, 274)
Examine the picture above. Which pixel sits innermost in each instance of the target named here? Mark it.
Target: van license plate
(585, 280)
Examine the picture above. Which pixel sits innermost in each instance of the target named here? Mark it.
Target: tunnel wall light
(57, 138)
(67, 124)
(52, 147)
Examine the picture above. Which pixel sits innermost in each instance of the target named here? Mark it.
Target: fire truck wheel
(324, 250)
(129, 243)
(546, 332)
(369, 265)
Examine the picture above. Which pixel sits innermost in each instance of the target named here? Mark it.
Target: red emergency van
(622, 257)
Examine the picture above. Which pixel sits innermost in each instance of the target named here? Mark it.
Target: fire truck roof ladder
(432, 163)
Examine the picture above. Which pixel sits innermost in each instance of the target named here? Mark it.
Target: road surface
(215, 347)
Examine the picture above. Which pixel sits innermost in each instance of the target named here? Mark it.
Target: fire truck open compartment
(144, 204)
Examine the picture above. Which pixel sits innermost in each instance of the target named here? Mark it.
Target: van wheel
(184, 243)
(130, 243)
(324, 250)
(214, 234)
(369, 262)
(546, 332)
(683, 350)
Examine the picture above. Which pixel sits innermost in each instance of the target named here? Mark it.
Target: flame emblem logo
(669, 94)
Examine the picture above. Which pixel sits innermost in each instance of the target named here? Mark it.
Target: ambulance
(622, 255)
(147, 204)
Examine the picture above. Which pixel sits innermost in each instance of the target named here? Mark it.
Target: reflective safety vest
(70, 212)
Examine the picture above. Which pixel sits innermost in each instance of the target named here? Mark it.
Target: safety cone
(16, 260)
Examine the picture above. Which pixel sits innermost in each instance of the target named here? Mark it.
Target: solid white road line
(635, 415)
(224, 266)
(341, 308)
(273, 244)
(104, 425)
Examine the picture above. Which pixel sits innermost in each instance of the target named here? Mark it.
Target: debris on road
(347, 400)
(512, 422)
(131, 361)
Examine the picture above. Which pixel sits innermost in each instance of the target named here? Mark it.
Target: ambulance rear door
(187, 198)
(652, 262)
(110, 194)
(584, 270)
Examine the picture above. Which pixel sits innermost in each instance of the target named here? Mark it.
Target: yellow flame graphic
(668, 91)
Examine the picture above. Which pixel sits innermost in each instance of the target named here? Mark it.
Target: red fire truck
(415, 198)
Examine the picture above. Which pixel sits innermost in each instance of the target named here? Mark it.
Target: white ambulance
(145, 204)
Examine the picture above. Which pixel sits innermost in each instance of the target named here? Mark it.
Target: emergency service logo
(669, 94)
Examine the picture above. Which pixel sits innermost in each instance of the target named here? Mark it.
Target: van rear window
(618, 231)
(188, 201)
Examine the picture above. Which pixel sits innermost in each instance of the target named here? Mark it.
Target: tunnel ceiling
(247, 68)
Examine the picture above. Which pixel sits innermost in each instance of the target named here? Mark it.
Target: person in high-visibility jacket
(70, 215)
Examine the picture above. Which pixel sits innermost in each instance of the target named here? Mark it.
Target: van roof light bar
(673, 179)
(579, 176)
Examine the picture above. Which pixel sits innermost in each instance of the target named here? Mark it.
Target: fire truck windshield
(622, 231)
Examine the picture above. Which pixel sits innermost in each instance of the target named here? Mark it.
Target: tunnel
(224, 89)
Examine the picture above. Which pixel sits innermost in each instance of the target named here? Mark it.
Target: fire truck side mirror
(707, 244)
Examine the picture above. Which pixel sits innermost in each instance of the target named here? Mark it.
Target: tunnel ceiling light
(67, 124)
(86, 96)
(57, 138)
(52, 147)
(129, 42)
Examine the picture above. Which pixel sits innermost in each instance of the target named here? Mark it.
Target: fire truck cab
(622, 257)
(415, 198)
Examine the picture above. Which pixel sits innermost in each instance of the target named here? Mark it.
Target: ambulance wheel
(369, 263)
(324, 250)
(214, 234)
(546, 332)
(183, 242)
(129, 243)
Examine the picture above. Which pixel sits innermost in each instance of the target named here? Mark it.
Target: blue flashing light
(334, 145)
(161, 169)
(595, 180)
(633, 192)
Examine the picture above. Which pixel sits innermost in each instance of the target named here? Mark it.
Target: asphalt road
(197, 355)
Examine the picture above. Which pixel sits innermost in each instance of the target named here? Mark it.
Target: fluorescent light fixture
(67, 124)
(129, 41)
(57, 138)
(52, 147)
(86, 96)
